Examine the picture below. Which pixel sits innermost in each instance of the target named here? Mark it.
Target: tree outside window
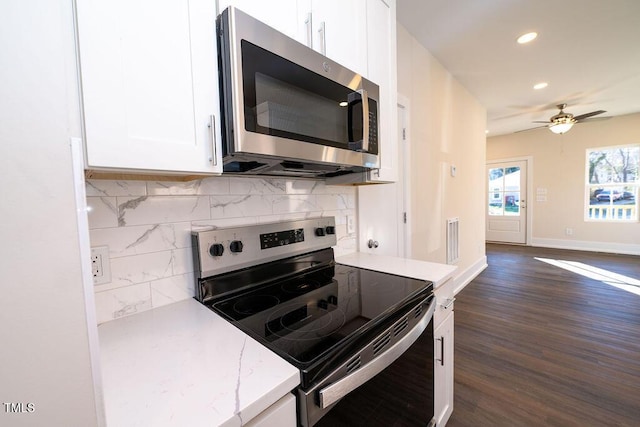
(612, 183)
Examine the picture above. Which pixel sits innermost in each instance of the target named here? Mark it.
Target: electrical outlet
(100, 265)
(351, 224)
(569, 231)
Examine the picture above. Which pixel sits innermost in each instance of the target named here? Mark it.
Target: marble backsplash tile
(147, 227)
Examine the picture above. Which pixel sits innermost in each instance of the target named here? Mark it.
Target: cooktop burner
(252, 304)
(304, 316)
(294, 322)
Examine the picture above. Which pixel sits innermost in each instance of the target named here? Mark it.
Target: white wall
(447, 127)
(559, 167)
(44, 338)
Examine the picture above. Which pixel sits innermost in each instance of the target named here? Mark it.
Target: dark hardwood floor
(538, 345)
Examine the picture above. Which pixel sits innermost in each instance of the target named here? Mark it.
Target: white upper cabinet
(338, 30)
(150, 85)
(279, 14)
(360, 35)
(382, 63)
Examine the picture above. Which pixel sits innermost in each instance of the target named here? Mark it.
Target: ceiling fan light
(561, 127)
(526, 38)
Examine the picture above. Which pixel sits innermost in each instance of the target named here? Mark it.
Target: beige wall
(559, 167)
(447, 127)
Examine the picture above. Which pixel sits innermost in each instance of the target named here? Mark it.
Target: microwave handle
(337, 390)
(364, 96)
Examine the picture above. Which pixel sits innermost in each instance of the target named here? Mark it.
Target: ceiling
(588, 51)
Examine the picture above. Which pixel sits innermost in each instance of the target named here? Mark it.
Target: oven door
(394, 388)
(282, 99)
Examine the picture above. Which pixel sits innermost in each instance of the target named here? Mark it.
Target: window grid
(612, 183)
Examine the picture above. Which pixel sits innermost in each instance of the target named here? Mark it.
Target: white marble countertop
(183, 365)
(424, 270)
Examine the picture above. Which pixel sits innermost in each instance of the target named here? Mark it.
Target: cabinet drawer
(444, 301)
(281, 414)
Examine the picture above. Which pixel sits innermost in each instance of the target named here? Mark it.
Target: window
(612, 182)
(504, 191)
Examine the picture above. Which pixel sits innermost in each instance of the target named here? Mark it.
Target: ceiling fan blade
(526, 130)
(595, 119)
(591, 114)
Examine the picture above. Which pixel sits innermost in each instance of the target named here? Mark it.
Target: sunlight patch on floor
(619, 281)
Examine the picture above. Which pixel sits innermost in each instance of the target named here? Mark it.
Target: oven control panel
(227, 249)
(281, 238)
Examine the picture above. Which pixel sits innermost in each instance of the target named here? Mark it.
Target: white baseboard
(469, 274)
(581, 245)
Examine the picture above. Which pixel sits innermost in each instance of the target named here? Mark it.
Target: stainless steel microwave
(287, 110)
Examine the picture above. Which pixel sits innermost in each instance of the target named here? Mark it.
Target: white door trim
(530, 213)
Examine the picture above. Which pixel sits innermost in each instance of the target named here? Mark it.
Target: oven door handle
(337, 390)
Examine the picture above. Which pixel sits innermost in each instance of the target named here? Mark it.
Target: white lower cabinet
(443, 370)
(281, 414)
(443, 352)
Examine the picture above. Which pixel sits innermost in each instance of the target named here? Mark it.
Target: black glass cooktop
(320, 313)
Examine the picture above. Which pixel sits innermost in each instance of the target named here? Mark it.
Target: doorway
(506, 209)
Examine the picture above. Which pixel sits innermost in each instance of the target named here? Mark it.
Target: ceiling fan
(562, 122)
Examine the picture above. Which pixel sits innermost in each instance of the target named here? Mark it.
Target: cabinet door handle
(308, 22)
(441, 360)
(448, 304)
(212, 131)
(323, 39)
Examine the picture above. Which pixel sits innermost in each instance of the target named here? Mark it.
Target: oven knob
(330, 230)
(216, 249)
(323, 304)
(236, 246)
(320, 231)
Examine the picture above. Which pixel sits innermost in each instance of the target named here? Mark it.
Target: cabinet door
(340, 32)
(443, 371)
(381, 55)
(149, 84)
(279, 14)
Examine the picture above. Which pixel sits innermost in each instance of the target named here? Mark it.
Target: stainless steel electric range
(362, 340)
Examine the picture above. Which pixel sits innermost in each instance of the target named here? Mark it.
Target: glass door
(506, 202)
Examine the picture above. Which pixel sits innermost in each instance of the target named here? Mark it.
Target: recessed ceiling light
(526, 38)
(540, 85)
